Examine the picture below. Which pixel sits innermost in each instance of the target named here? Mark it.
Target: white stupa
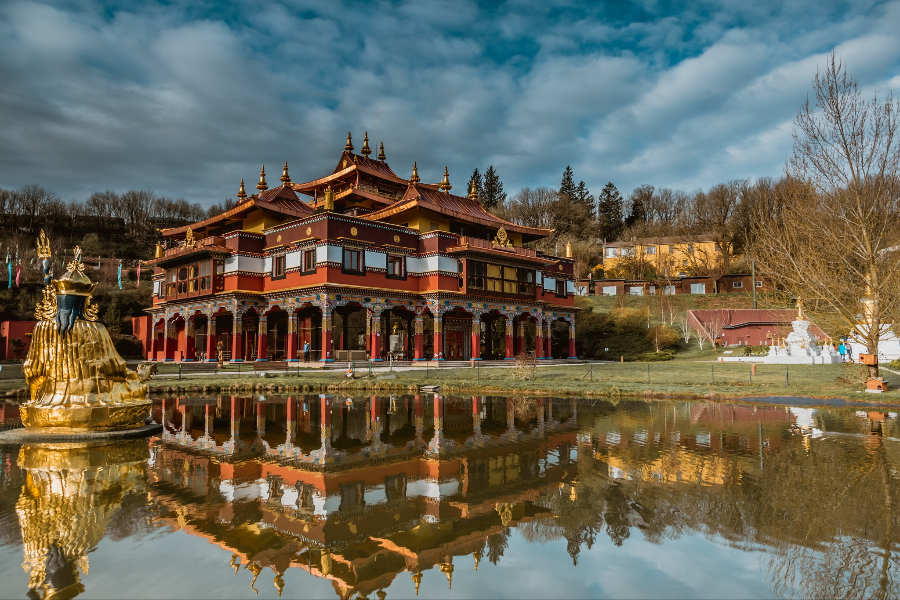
(801, 347)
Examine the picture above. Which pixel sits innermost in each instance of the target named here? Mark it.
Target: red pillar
(539, 338)
(548, 353)
(170, 342)
(420, 338)
(190, 338)
(509, 337)
(292, 339)
(235, 417)
(211, 339)
(153, 342)
(520, 342)
(572, 339)
(237, 339)
(438, 337)
(326, 337)
(262, 348)
(376, 337)
(476, 337)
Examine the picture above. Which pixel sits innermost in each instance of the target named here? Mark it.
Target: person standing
(306, 351)
(842, 350)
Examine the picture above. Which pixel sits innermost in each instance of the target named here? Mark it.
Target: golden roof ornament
(366, 151)
(381, 155)
(473, 191)
(417, 579)
(445, 182)
(568, 250)
(414, 178)
(799, 309)
(241, 193)
(447, 569)
(262, 185)
(348, 147)
(158, 253)
(329, 198)
(502, 239)
(43, 246)
(285, 178)
(189, 238)
(477, 556)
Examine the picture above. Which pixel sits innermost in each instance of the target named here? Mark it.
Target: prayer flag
(139, 275)
(120, 274)
(18, 271)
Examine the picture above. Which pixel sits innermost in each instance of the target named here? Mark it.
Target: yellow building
(674, 255)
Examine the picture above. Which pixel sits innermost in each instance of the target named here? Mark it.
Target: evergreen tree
(494, 195)
(567, 186)
(583, 197)
(609, 213)
(479, 184)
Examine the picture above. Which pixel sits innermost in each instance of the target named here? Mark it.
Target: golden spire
(473, 191)
(414, 178)
(381, 155)
(241, 193)
(329, 198)
(445, 182)
(417, 579)
(477, 555)
(568, 249)
(285, 178)
(262, 185)
(256, 570)
(447, 569)
(366, 151)
(348, 147)
(279, 583)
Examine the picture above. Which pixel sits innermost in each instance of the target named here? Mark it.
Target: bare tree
(833, 236)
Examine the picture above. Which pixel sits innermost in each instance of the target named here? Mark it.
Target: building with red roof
(359, 264)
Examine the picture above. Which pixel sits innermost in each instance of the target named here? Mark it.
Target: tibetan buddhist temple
(359, 264)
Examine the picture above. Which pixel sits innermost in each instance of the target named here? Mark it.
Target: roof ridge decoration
(241, 193)
(348, 147)
(473, 192)
(381, 155)
(366, 151)
(445, 182)
(262, 185)
(414, 178)
(285, 178)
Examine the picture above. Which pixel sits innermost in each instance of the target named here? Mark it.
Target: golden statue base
(93, 417)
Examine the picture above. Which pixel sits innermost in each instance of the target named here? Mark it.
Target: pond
(460, 497)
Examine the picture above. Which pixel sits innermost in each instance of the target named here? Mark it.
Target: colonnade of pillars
(515, 338)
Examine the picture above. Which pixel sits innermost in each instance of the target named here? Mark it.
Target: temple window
(561, 288)
(352, 261)
(309, 261)
(500, 279)
(278, 263)
(396, 267)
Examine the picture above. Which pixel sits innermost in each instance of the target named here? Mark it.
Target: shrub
(657, 356)
(662, 337)
(756, 350)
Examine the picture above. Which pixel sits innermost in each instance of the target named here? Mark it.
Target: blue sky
(186, 98)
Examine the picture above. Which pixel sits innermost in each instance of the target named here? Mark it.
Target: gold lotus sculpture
(75, 375)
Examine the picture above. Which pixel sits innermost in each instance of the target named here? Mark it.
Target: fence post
(179, 371)
(712, 368)
(786, 380)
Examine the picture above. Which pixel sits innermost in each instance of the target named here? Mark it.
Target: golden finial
(348, 147)
(279, 584)
(43, 246)
(447, 569)
(329, 198)
(235, 563)
(159, 251)
(414, 178)
(445, 182)
(568, 250)
(241, 193)
(473, 191)
(417, 579)
(256, 570)
(799, 309)
(262, 185)
(366, 151)
(189, 237)
(477, 555)
(381, 155)
(285, 178)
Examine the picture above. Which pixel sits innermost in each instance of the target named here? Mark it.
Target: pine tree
(479, 184)
(494, 195)
(567, 186)
(609, 213)
(583, 196)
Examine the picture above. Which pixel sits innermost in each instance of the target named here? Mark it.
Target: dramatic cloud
(186, 98)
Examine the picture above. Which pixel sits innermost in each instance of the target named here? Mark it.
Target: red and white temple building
(360, 264)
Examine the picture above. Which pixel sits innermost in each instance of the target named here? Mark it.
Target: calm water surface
(465, 497)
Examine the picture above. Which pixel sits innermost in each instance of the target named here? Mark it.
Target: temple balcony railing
(473, 242)
(181, 248)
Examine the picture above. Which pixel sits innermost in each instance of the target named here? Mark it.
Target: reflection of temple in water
(359, 492)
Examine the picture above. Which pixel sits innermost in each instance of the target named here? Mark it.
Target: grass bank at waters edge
(678, 378)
